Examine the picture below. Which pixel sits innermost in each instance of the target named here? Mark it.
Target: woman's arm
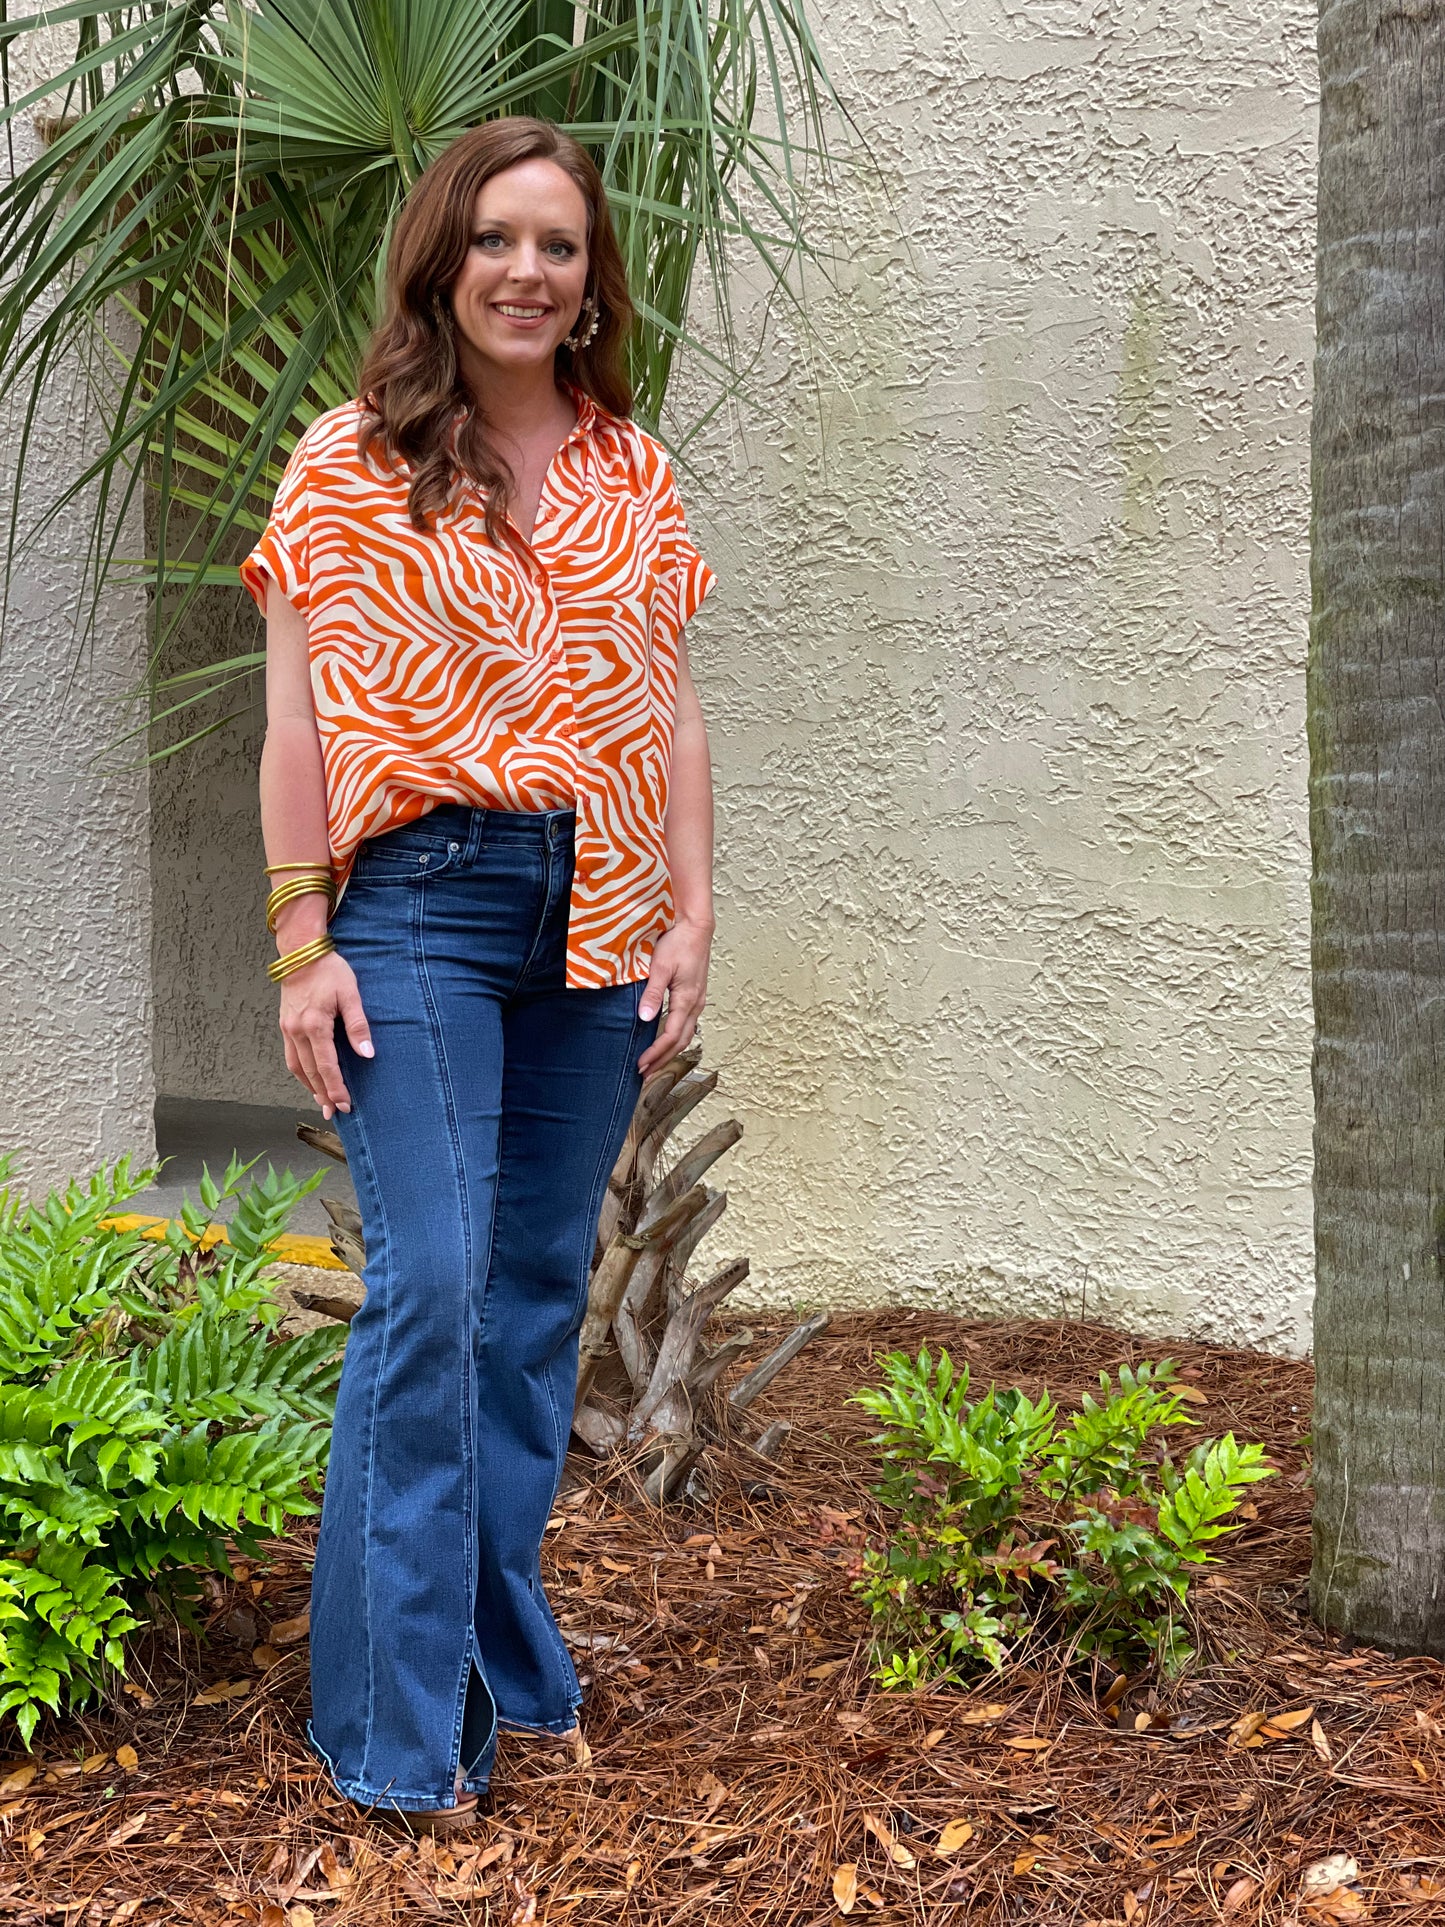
(680, 956)
(293, 826)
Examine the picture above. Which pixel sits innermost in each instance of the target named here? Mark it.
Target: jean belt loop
(476, 829)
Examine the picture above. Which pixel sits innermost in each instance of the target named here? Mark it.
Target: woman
(482, 736)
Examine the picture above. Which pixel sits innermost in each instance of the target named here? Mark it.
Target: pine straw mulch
(739, 1756)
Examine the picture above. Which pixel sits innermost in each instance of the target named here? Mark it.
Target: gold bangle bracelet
(295, 887)
(273, 869)
(282, 966)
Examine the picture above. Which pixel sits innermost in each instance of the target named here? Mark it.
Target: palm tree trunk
(1377, 809)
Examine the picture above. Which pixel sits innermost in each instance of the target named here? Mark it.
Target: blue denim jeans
(480, 1138)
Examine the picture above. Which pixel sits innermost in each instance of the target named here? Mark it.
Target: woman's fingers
(311, 1001)
(683, 1010)
(353, 1017)
(658, 979)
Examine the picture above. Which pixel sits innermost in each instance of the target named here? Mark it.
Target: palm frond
(207, 225)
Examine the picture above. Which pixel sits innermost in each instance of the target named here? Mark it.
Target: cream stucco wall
(1005, 684)
(76, 1083)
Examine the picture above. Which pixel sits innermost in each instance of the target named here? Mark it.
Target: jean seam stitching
(473, 1654)
(600, 1176)
(367, 1562)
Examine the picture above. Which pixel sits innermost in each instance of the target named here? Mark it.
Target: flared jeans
(480, 1139)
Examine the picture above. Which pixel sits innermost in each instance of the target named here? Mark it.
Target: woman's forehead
(533, 192)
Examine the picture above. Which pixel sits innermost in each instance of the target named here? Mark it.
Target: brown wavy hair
(410, 386)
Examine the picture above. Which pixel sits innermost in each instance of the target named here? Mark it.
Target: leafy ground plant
(148, 1413)
(1011, 1521)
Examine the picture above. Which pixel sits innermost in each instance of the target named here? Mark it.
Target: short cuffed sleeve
(689, 579)
(283, 553)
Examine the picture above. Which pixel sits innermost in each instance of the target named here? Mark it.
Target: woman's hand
(679, 967)
(312, 998)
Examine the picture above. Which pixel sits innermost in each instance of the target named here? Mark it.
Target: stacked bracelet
(314, 881)
(282, 966)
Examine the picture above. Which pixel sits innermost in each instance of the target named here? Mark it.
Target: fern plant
(149, 1415)
(1010, 1521)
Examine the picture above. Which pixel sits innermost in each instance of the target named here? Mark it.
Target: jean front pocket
(406, 855)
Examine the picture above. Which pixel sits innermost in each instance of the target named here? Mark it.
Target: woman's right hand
(312, 998)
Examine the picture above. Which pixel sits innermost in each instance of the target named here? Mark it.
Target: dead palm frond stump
(648, 1369)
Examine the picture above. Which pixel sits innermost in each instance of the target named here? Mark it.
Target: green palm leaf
(209, 222)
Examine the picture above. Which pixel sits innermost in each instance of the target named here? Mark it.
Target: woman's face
(521, 285)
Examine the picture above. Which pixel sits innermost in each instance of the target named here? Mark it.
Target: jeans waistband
(469, 823)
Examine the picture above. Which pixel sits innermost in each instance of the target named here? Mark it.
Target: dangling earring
(589, 307)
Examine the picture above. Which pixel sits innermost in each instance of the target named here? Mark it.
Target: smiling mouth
(520, 311)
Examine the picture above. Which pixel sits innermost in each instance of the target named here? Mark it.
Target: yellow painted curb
(291, 1248)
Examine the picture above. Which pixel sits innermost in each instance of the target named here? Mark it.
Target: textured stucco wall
(76, 1082)
(215, 1008)
(1005, 684)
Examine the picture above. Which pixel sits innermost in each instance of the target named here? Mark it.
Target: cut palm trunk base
(649, 1368)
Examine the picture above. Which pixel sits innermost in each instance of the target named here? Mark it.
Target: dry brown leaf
(882, 1832)
(826, 1670)
(634, 1868)
(1118, 1687)
(93, 1762)
(1025, 1862)
(931, 1740)
(127, 1758)
(263, 1658)
(125, 1911)
(19, 1779)
(300, 1916)
(1192, 1394)
(1343, 1904)
(983, 1715)
(1422, 1771)
(1034, 1745)
(1280, 1723)
(1320, 1742)
(845, 1887)
(223, 1689)
(1239, 1892)
(286, 1630)
(614, 1565)
(956, 1834)
(127, 1830)
(1322, 1877)
(8, 1808)
(1246, 1727)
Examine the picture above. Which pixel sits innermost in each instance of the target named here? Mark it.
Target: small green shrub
(147, 1412)
(1012, 1521)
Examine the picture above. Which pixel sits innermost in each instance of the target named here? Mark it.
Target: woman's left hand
(679, 967)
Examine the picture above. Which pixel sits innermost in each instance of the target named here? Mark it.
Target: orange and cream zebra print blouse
(449, 668)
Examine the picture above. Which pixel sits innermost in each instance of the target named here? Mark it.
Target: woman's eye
(564, 248)
(485, 240)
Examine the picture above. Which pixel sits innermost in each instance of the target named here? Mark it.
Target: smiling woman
(486, 788)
